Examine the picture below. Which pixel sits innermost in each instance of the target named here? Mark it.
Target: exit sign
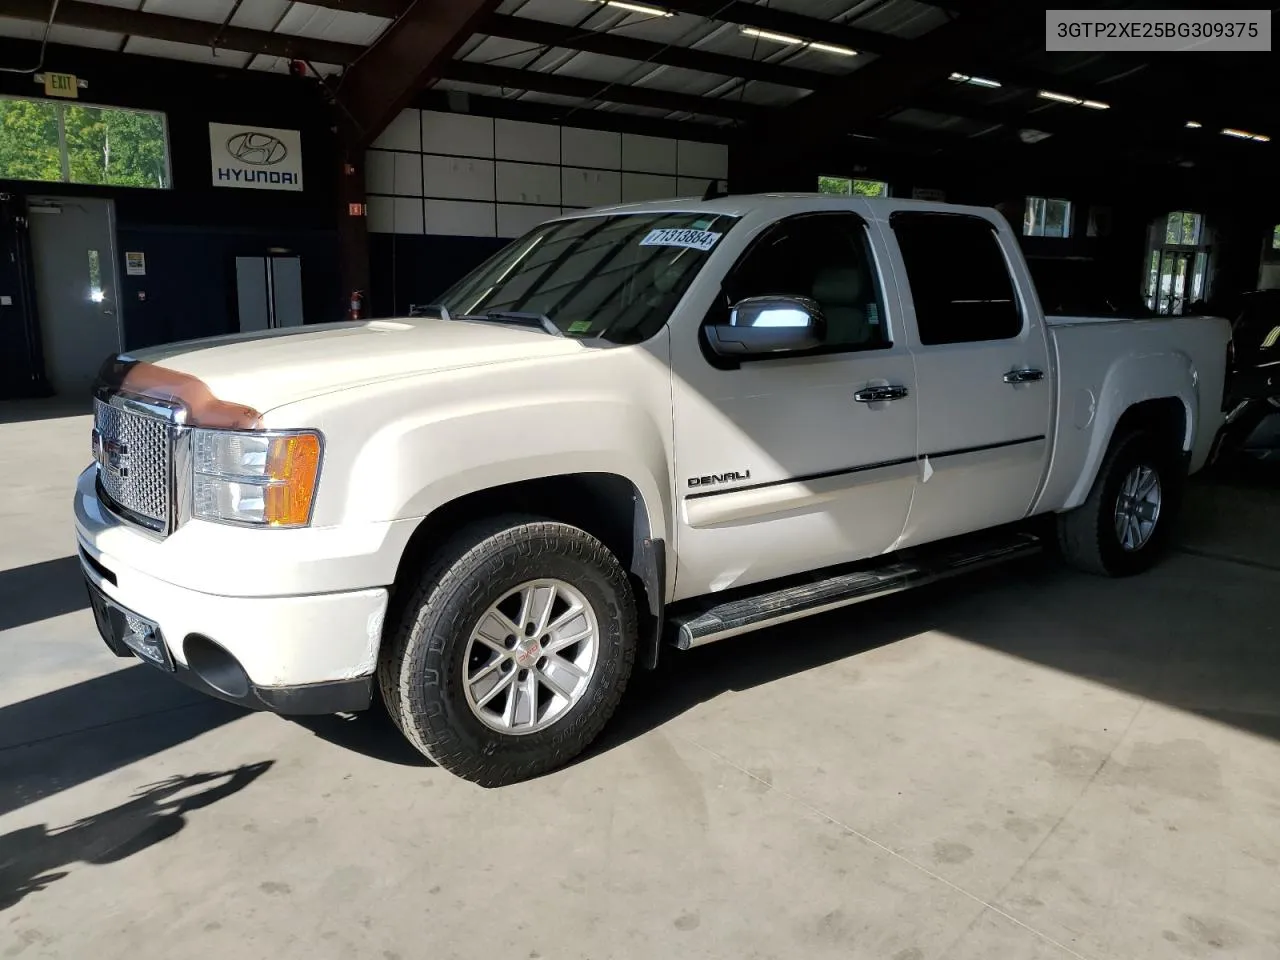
(61, 85)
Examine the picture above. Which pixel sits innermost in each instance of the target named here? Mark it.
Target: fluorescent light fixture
(1194, 125)
(769, 35)
(798, 41)
(636, 8)
(832, 48)
(1060, 97)
(1246, 135)
(1095, 104)
(976, 81)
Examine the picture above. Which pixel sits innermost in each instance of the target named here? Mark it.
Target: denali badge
(730, 477)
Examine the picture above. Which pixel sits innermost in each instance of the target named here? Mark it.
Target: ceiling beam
(744, 14)
(596, 91)
(403, 62)
(390, 9)
(201, 33)
(545, 34)
(893, 80)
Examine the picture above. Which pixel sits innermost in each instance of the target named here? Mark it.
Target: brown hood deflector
(149, 381)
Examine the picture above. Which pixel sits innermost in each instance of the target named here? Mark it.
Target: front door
(77, 293)
(782, 468)
(985, 395)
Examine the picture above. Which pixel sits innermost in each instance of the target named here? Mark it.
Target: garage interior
(1026, 763)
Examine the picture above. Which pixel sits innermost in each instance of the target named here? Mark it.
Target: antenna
(714, 192)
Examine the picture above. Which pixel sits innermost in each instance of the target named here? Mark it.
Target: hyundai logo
(257, 149)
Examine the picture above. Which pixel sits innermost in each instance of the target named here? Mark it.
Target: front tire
(1124, 526)
(513, 652)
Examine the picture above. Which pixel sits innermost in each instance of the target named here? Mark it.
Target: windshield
(614, 277)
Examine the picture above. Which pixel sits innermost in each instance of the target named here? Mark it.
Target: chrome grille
(133, 451)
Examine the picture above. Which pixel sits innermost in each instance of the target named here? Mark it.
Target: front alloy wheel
(531, 657)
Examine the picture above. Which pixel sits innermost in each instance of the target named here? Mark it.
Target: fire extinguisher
(357, 305)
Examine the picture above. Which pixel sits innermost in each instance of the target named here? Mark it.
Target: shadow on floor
(39, 591)
(32, 858)
(58, 740)
(1193, 638)
(54, 408)
(370, 733)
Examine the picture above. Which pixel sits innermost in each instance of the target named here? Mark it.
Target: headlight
(265, 479)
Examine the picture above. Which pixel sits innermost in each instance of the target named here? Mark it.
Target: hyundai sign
(255, 158)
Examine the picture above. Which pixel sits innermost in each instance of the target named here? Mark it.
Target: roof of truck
(778, 204)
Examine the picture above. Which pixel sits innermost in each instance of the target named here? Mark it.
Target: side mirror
(762, 325)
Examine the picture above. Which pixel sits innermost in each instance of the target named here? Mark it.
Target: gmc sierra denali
(646, 426)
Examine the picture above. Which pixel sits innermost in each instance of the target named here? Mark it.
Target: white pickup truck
(646, 425)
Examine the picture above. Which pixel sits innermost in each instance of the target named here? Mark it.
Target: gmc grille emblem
(112, 455)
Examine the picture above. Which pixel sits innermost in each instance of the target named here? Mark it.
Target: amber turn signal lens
(293, 463)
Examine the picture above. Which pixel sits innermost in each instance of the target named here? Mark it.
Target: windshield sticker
(680, 237)
(580, 326)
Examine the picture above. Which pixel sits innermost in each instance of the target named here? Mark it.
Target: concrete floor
(1027, 764)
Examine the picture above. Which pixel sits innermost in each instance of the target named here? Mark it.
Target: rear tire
(481, 670)
(1125, 524)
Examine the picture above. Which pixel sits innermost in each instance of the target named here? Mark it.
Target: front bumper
(299, 653)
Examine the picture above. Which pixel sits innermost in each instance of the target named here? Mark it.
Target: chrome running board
(912, 569)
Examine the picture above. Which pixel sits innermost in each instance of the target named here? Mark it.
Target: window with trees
(1183, 229)
(1275, 237)
(1046, 217)
(79, 143)
(851, 187)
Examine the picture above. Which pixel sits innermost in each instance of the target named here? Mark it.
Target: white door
(77, 293)
(781, 467)
(984, 393)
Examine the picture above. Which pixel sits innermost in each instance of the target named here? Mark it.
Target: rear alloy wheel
(1124, 524)
(1138, 508)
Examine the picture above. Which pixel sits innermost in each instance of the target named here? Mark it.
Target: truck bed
(1091, 354)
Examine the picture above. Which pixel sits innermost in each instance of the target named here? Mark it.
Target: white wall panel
(710, 160)
(591, 148)
(379, 171)
(646, 186)
(408, 174)
(694, 186)
(457, 178)
(381, 216)
(528, 183)
(648, 154)
(395, 215)
(591, 188)
(460, 218)
(402, 133)
(457, 134)
(408, 215)
(531, 142)
(514, 221)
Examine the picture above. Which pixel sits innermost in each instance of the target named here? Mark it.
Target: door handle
(1023, 376)
(880, 394)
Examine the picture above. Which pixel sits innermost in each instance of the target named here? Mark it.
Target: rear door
(982, 364)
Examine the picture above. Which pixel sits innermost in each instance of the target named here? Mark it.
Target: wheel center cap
(527, 652)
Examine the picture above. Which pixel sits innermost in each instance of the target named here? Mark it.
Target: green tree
(29, 140)
(123, 148)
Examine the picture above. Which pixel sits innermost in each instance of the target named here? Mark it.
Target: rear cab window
(959, 279)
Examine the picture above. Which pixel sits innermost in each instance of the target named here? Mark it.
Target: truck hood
(271, 368)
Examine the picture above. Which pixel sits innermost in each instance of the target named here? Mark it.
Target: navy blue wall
(405, 269)
(191, 234)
